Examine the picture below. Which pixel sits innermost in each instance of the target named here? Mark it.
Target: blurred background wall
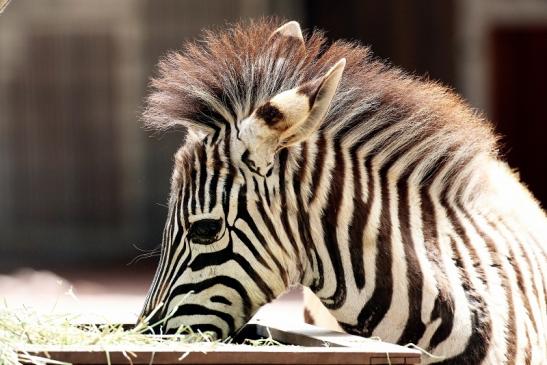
(82, 185)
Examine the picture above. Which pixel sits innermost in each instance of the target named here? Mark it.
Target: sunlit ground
(107, 295)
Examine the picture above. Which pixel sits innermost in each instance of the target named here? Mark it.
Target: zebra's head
(244, 99)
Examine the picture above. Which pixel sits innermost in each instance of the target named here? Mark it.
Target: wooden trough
(313, 346)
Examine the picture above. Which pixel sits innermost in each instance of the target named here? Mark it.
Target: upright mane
(224, 76)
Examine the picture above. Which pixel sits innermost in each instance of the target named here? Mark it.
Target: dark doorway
(519, 92)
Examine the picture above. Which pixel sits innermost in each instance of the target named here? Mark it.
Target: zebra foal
(315, 164)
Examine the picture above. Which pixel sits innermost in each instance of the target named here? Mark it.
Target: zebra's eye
(205, 231)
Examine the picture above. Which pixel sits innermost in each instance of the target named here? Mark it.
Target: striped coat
(315, 164)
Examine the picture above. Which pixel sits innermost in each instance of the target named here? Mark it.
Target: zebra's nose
(153, 324)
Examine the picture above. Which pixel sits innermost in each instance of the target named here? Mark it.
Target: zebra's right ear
(291, 30)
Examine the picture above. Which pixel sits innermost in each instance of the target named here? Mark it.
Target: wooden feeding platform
(312, 345)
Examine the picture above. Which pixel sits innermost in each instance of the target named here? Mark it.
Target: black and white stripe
(386, 198)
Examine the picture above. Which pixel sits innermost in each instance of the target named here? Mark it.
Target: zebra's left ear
(288, 118)
(306, 106)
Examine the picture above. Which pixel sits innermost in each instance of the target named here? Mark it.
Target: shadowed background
(82, 184)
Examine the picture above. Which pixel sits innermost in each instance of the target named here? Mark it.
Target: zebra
(316, 164)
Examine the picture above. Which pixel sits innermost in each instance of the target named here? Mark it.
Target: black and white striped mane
(224, 76)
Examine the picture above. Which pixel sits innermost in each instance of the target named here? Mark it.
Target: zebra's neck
(341, 197)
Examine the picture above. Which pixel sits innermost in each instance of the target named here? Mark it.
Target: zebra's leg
(315, 312)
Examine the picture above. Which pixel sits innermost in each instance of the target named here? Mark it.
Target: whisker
(145, 253)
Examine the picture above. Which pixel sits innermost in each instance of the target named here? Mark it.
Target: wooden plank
(304, 334)
(313, 345)
(229, 355)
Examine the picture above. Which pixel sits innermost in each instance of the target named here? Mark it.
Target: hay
(20, 327)
(24, 327)
(3, 5)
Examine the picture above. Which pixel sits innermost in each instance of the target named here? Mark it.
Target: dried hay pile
(24, 329)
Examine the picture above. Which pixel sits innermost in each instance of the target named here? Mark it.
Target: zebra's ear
(302, 109)
(290, 29)
(288, 118)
